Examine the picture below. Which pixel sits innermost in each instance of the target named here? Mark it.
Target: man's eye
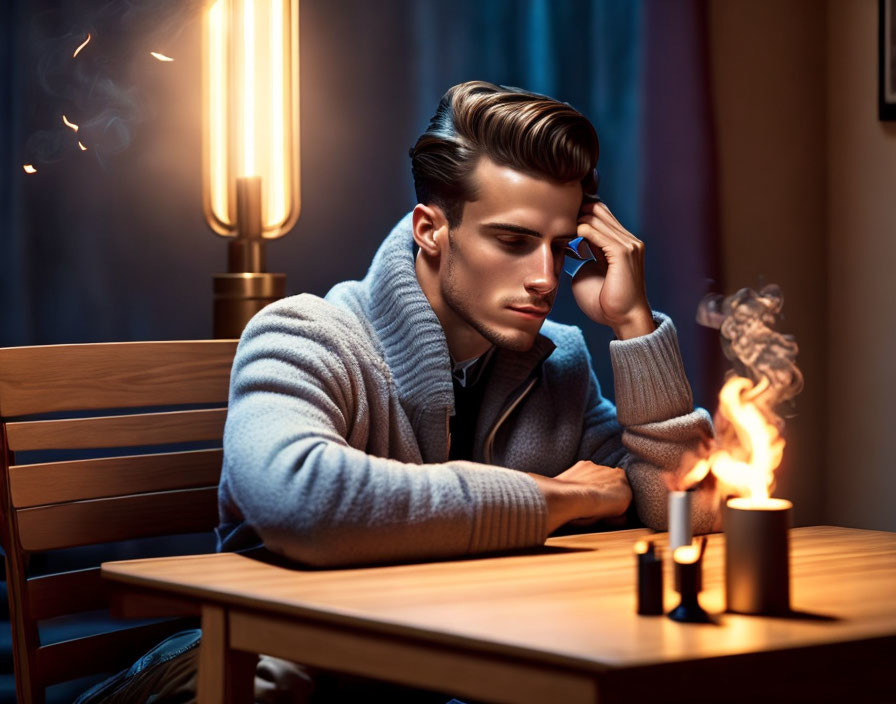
(513, 242)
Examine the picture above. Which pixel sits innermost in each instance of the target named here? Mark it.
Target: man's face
(500, 271)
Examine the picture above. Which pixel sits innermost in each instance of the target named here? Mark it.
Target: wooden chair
(111, 395)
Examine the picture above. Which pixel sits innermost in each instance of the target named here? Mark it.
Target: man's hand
(611, 289)
(586, 492)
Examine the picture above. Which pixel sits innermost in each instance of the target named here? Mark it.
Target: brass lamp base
(240, 296)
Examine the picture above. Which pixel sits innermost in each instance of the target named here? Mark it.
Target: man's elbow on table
(314, 547)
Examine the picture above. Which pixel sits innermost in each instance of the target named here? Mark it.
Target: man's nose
(542, 278)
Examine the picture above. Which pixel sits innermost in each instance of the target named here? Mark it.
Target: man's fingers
(602, 220)
(610, 227)
(601, 211)
(599, 219)
(599, 215)
(601, 238)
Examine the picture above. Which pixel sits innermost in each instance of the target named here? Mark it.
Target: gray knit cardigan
(336, 443)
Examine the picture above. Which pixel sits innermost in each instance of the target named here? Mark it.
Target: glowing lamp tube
(757, 556)
(250, 155)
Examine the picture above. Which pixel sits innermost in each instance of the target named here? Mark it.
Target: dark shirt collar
(468, 372)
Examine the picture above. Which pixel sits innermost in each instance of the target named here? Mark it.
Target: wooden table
(553, 625)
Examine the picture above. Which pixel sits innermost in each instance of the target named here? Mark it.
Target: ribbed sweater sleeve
(654, 404)
(312, 424)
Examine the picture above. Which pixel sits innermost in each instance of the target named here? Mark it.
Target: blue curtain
(640, 72)
(109, 244)
(15, 306)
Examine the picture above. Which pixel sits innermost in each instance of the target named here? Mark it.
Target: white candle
(680, 530)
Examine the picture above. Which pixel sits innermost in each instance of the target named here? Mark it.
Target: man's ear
(430, 227)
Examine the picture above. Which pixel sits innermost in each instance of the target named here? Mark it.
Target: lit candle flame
(72, 125)
(160, 57)
(83, 148)
(686, 554)
(83, 44)
(29, 169)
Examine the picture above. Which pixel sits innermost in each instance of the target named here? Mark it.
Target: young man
(431, 410)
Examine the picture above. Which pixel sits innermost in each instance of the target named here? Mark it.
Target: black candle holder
(650, 578)
(688, 562)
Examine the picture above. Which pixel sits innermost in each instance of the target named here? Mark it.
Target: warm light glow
(218, 110)
(29, 169)
(251, 107)
(686, 554)
(83, 148)
(248, 103)
(83, 44)
(751, 452)
(160, 57)
(768, 504)
(641, 547)
(276, 188)
(72, 125)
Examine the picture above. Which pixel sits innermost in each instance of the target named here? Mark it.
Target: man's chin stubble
(456, 303)
(513, 343)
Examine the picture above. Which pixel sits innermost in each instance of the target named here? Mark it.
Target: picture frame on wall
(886, 69)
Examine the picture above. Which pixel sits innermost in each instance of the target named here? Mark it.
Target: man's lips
(530, 311)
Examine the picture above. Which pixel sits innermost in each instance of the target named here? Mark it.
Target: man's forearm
(661, 425)
(638, 325)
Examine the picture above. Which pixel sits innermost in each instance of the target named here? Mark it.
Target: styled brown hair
(513, 127)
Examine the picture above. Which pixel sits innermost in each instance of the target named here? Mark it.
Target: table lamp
(250, 184)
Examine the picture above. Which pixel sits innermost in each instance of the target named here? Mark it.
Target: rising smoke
(96, 88)
(766, 358)
(746, 321)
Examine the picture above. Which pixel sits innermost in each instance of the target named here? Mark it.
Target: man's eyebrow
(520, 230)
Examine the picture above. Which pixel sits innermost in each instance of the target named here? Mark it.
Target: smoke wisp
(746, 322)
(96, 88)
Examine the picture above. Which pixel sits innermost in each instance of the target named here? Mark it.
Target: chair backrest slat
(97, 521)
(75, 480)
(115, 460)
(66, 593)
(64, 377)
(117, 431)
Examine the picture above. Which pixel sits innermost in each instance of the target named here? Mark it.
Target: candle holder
(650, 578)
(688, 560)
(757, 556)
